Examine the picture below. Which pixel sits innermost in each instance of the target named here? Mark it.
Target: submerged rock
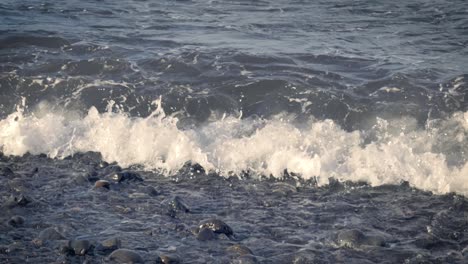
(166, 259)
(355, 238)
(125, 256)
(80, 247)
(19, 200)
(150, 190)
(175, 205)
(16, 221)
(108, 245)
(50, 234)
(239, 250)
(206, 234)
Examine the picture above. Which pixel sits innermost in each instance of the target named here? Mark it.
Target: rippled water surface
(316, 131)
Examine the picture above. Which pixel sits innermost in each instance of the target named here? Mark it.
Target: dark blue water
(308, 120)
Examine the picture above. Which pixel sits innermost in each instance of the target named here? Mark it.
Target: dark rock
(355, 238)
(175, 205)
(50, 234)
(7, 171)
(108, 245)
(205, 234)
(239, 250)
(245, 259)
(150, 190)
(125, 256)
(81, 247)
(19, 200)
(16, 221)
(102, 184)
(166, 259)
(125, 176)
(350, 238)
(217, 226)
(197, 169)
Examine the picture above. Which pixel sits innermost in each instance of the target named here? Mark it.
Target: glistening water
(234, 131)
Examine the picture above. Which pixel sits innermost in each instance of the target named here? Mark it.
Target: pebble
(16, 221)
(125, 256)
(217, 226)
(102, 184)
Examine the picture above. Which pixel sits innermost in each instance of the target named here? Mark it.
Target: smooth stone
(102, 184)
(217, 226)
(50, 234)
(80, 247)
(239, 249)
(206, 234)
(108, 245)
(125, 256)
(16, 221)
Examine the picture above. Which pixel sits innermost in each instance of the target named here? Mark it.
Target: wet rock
(16, 221)
(246, 259)
(166, 259)
(19, 200)
(243, 254)
(7, 171)
(355, 238)
(206, 234)
(174, 206)
(239, 250)
(125, 176)
(197, 169)
(83, 179)
(283, 189)
(449, 225)
(150, 190)
(217, 226)
(125, 256)
(50, 234)
(110, 169)
(350, 238)
(102, 184)
(108, 245)
(81, 247)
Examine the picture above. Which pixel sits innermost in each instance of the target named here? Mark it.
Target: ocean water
(319, 131)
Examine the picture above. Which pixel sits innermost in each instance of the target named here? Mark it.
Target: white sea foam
(433, 158)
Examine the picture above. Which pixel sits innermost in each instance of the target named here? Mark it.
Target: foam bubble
(431, 158)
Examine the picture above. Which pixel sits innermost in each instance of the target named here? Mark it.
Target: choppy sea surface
(234, 131)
